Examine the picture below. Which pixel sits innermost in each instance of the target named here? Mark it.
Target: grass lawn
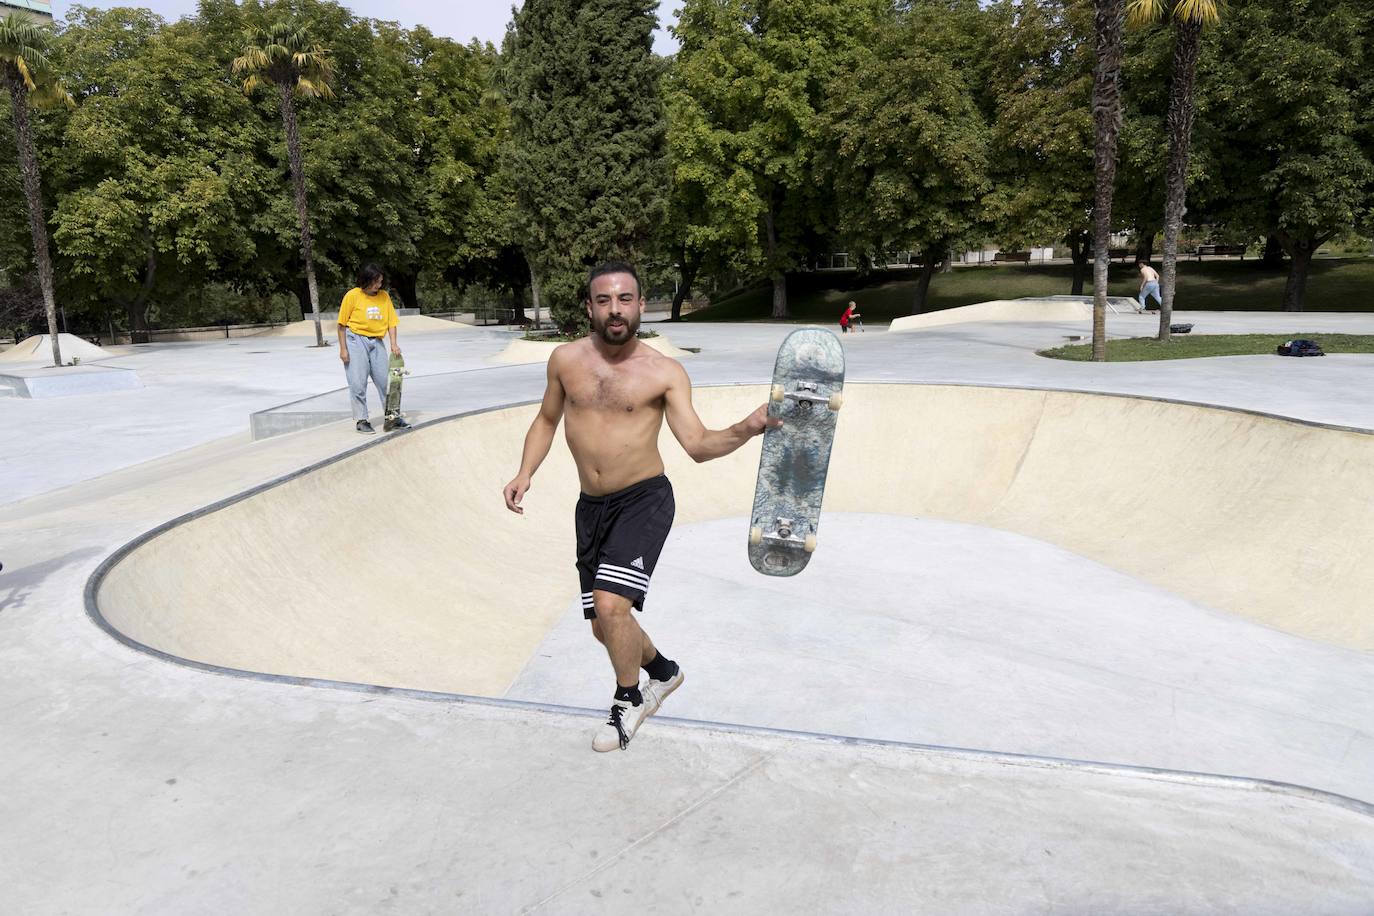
(1334, 285)
(1137, 349)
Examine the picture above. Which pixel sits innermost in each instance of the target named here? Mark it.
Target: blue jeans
(366, 356)
(1151, 289)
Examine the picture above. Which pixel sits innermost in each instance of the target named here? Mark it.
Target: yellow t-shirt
(370, 316)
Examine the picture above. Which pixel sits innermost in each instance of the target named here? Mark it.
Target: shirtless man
(1149, 284)
(615, 392)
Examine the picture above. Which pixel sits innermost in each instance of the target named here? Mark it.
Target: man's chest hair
(622, 388)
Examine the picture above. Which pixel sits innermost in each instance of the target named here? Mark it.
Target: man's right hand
(514, 492)
(343, 355)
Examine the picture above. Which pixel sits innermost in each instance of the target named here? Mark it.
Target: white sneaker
(655, 692)
(620, 726)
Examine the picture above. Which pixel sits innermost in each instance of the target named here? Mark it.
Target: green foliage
(24, 50)
(1041, 84)
(745, 97)
(781, 128)
(1143, 147)
(585, 157)
(907, 158)
(157, 181)
(284, 55)
(166, 162)
(1288, 86)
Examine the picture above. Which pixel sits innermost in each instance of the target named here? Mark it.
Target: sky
(461, 20)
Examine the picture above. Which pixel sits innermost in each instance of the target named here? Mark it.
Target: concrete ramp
(38, 349)
(398, 564)
(1051, 308)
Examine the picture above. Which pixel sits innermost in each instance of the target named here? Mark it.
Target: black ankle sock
(661, 669)
(629, 693)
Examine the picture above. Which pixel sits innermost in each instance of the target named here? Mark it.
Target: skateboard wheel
(835, 401)
(810, 545)
(777, 393)
(755, 536)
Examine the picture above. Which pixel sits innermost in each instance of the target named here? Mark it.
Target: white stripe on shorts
(632, 576)
(618, 580)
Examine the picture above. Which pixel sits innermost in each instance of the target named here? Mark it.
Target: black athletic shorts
(619, 538)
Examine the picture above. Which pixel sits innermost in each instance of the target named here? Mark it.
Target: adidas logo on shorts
(638, 563)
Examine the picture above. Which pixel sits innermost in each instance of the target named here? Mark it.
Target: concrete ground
(136, 785)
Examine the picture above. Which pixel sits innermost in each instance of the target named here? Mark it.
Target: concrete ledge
(50, 382)
(278, 422)
(538, 351)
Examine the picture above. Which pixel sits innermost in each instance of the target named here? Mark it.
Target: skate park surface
(1078, 638)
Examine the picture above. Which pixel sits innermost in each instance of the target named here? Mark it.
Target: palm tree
(286, 57)
(26, 72)
(1189, 16)
(1107, 26)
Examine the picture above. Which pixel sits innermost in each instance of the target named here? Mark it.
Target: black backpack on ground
(1300, 347)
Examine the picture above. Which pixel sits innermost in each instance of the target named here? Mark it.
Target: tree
(465, 210)
(710, 224)
(27, 73)
(748, 87)
(1042, 127)
(289, 59)
(1108, 21)
(1138, 201)
(1189, 17)
(1289, 90)
(157, 179)
(586, 150)
(908, 158)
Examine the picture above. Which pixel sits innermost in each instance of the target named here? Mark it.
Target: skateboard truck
(782, 533)
(806, 395)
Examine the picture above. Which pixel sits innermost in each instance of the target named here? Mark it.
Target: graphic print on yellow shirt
(367, 315)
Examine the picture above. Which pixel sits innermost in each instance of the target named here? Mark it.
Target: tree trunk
(1295, 290)
(1078, 250)
(33, 196)
(293, 149)
(1145, 245)
(137, 309)
(689, 268)
(775, 273)
(779, 279)
(517, 302)
(534, 292)
(1273, 253)
(930, 262)
(1187, 48)
(1106, 102)
(404, 284)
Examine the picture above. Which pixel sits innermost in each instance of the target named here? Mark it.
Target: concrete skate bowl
(397, 565)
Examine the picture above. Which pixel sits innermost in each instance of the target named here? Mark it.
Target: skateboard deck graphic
(808, 380)
(395, 372)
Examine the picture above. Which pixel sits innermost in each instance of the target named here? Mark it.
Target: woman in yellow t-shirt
(366, 316)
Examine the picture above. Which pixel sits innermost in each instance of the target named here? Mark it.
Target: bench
(1021, 256)
(1221, 250)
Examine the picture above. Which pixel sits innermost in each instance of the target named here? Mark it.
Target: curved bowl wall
(398, 564)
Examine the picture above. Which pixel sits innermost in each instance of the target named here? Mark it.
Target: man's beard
(622, 334)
